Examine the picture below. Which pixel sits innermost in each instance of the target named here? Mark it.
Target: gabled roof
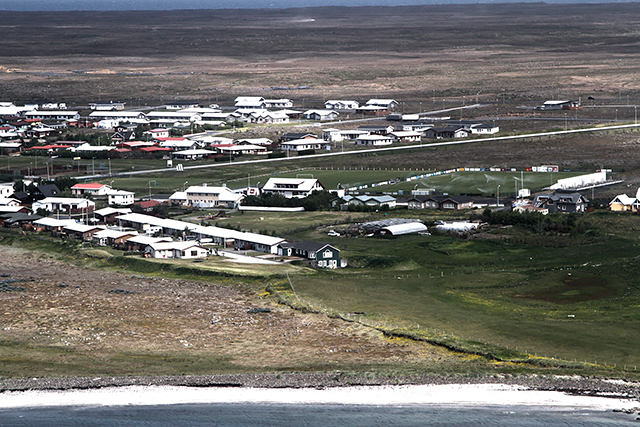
(90, 186)
(624, 199)
(301, 184)
(111, 211)
(49, 190)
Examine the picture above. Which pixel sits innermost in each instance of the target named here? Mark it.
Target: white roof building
(250, 102)
(334, 104)
(292, 187)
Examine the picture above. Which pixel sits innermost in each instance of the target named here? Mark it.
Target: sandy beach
(462, 395)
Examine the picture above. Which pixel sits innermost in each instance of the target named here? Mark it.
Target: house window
(194, 253)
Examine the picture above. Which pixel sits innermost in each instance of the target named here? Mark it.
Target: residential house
(257, 242)
(341, 105)
(371, 201)
(292, 187)
(108, 215)
(406, 136)
(485, 129)
(376, 130)
(140, 242)
(305, 144)
(278, 103)
(193, 154)
(81, 231)
(291, 136)
(45, 190)
(561, 105)
(561, 201)
(415, 126)
(178, 144)
(389, 104)
(250, 102)
(64, 204)
(113, 237)
(183, 250)
(157, 133)
(120, 197)
(448, 132)
(254, 141)
(376, 140)
(210, 196)
(19, 219)
(440, 202)
(320, 115)
(323, 254)
(92, 188)
(622, 203)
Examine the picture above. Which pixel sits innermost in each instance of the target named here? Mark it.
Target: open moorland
(546, 295)
(506, 52)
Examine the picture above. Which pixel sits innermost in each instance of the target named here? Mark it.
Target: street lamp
(498, 196)
(183, 186)
(565, 122)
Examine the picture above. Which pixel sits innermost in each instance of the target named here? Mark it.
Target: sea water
(309, 415)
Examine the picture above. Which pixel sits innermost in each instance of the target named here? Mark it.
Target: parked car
(333, 233)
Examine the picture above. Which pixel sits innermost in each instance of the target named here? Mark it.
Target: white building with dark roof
(292, 187)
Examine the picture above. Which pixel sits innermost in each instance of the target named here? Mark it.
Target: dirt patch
(103, 314)
(575, 288)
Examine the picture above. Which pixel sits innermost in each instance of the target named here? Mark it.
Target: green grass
(485, 183)
(510, 295)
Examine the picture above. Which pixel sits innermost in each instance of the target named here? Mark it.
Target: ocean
(308, 415)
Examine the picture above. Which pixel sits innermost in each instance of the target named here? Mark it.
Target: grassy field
(484, 183)
(512, 295)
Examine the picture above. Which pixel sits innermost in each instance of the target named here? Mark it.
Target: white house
(320, 115)
(485, 129)
(292, 187)
(92, 188)
(389, 104)
(335, 104)
(184, 250)
(120, 197)
(406, 136)
(250, 102)
(204, 196)
(278, 103)
(157, 133)
(305, 144)
(120, 116)
(64, 204)
(374, 140)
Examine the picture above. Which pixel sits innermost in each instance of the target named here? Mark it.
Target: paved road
(373, 150)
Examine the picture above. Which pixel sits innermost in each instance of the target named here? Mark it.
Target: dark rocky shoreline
(584, 386)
